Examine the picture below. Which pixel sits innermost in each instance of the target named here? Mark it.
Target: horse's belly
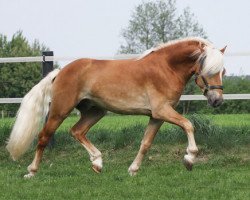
(140, 110)
(138, 105)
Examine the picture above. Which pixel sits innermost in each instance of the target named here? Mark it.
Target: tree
(188, 25)
(157, 22)
(16, 79)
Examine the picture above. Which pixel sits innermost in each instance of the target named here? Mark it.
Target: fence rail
(115, 57)
(183, 98)
(10, 100)
(55, 58)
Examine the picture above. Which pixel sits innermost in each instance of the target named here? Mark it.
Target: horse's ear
(223, 50)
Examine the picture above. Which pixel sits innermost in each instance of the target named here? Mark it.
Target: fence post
(48, 66)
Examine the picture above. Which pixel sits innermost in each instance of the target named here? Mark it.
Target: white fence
(54, 58)
(183, 98)
(116, 57)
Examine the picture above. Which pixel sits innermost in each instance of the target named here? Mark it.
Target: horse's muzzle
(214, 98)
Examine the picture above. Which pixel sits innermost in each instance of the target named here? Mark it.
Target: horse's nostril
(217, 102)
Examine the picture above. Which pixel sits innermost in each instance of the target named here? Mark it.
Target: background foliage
(156, 22)
(16, 79)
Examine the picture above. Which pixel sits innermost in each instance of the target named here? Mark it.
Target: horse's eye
(224, 72)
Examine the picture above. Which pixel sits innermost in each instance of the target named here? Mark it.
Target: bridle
(207, 85)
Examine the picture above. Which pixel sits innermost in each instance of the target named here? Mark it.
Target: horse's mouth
(214, 99)
(215, 103)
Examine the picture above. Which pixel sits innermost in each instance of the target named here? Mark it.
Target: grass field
(221, 172)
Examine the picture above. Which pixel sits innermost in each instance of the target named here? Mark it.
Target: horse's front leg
(152, 128)
(168, 114)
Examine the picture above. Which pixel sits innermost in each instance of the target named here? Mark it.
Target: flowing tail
(33, 110)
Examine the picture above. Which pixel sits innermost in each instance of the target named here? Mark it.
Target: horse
(150, 85)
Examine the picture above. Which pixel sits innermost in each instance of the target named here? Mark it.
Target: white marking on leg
(97, 162)
(29, 175)
(33, 167)
(189, 158)
(95, 155)
(192, 148)
(134, 167)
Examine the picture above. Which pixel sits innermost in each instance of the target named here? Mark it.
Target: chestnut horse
(149, 85)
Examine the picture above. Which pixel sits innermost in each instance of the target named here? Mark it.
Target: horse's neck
(184, 71)
(182, 65)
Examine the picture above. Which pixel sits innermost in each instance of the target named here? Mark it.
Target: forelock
(211, 61)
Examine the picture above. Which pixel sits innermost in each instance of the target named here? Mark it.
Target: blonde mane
(172, 42)
(213, 58)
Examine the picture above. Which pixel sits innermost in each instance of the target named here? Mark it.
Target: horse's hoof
(132, 173)
(188, 164)
(97, 169)
(132, 170)
(29, 175)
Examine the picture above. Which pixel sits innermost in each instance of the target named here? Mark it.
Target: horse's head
(209, 75)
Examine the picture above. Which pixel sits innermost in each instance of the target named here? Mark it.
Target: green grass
(221, 172)
(238, 120)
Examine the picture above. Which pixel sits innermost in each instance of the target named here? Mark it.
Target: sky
(92, 28)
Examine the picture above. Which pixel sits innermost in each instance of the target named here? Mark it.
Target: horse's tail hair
(33, 111)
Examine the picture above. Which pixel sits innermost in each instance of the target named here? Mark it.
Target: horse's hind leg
(80, 129)
(44, 136)
(59, 110)
(152, 128)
